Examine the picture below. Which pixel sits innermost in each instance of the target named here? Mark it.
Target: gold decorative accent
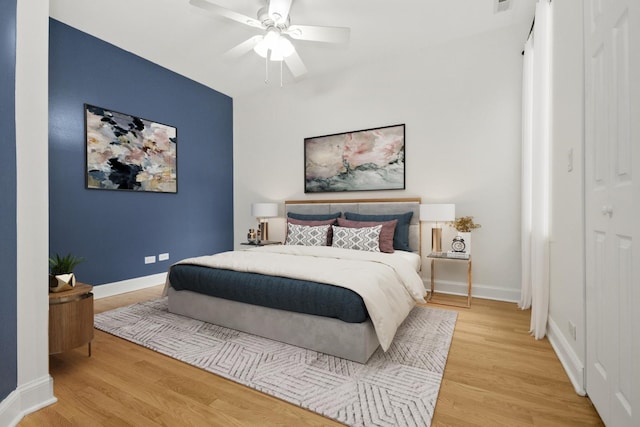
(61, 282)
(263, 230)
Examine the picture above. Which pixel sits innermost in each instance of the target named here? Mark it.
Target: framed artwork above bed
(363, 160)
(125, 152)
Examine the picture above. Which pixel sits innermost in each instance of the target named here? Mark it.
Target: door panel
(612, 208)
(623, 391)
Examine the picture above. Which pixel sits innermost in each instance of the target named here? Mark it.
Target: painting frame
(125, 152)
(363, 160)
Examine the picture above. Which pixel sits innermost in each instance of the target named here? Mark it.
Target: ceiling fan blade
(280, 8)
(243, 48)
(319, 34)
(225, 13)
(295, 64)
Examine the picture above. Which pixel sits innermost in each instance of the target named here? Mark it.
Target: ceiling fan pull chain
(281, 72)
(266, 69)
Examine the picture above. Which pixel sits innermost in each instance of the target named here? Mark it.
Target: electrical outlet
(150, 259)
(163, 257)
(572, 330)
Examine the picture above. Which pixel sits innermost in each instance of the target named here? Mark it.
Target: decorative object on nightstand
(462, 242)
(61, 277)
(458, 244)
(262, 211)
(437, 213)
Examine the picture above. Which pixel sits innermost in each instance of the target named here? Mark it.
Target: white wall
(35, 385)
(567, 281)
(461, 103)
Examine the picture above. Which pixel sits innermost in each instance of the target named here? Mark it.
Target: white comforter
(389, 285)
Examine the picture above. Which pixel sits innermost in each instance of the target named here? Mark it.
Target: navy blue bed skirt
(271, 291)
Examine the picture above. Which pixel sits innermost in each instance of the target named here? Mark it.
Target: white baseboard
(26, 399)
(568, 357)
(478, 290)
(10, 411)
(129, 285)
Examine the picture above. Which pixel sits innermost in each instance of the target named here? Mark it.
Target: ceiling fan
(274, 43)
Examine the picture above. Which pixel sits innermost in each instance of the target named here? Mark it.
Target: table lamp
(262, 211)
(437, 213)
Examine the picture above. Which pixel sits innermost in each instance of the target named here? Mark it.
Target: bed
(334, 300)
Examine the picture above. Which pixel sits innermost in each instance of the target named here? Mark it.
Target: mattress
(282, 293)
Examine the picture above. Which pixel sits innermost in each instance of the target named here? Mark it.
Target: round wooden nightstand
(71, 319)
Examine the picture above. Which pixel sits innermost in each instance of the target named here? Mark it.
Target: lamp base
(436, 240)
(263, 230)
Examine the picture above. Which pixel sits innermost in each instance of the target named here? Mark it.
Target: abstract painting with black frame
(364, 160)
(125, 152)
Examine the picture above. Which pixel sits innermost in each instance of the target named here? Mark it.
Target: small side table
(445, 256)
(262, 243)
(71, 319)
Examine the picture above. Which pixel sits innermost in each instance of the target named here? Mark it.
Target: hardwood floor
(496, 375)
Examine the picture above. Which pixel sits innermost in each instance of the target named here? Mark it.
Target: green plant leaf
(63, 264)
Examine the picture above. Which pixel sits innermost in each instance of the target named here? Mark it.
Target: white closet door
(612, 197)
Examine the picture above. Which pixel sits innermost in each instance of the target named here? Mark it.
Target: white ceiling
(178, 36)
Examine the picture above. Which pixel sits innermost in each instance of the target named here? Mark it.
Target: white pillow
(305, 235)
(361, 239)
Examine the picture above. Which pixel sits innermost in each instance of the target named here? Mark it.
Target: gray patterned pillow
(360, 239)
(305, 235)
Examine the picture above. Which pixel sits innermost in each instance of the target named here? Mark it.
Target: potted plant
(61, 277)
(464, 225)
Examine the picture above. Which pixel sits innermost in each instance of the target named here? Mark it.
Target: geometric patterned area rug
(396, 388)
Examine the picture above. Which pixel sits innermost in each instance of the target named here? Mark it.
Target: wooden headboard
(365, 206)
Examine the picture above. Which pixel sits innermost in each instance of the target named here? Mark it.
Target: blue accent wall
(8, 230)
(113, 229)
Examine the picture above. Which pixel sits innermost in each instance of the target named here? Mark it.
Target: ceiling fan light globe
(261, 48)
(271, 38)
(283, 48)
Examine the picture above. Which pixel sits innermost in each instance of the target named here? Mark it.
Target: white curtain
(536, 170)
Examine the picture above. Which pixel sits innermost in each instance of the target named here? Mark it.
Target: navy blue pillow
(313, 217)
(400, 236)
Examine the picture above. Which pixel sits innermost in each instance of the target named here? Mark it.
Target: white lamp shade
(438, 212)
(264, 210)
